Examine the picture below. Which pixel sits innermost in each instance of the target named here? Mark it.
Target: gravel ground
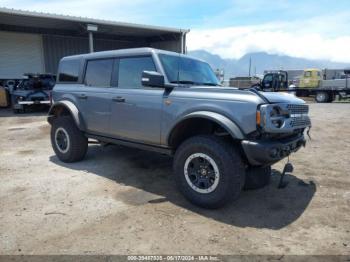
(124, 201)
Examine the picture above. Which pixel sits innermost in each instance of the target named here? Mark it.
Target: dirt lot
(123, 201)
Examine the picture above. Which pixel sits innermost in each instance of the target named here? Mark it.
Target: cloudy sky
(231, 28)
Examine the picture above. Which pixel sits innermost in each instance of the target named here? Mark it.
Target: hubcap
(321, 97)
(201, 173)
(62, 140)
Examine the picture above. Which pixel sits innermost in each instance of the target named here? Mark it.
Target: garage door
(19, 54)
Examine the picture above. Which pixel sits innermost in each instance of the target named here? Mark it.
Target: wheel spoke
(202, 173)
(196, 163)
(61, 138)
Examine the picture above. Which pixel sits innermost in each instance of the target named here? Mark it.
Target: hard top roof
(123, 52)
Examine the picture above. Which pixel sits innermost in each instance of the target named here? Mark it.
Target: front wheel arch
(178, 131)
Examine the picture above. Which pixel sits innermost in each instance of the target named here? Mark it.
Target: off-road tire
(228, 161)
(257, 177)
(78, 143)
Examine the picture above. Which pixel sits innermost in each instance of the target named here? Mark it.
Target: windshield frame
(183, 82)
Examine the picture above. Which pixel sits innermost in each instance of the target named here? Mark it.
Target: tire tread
(230, 161)
(79, 143)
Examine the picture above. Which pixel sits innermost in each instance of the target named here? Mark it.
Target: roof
(24, 18)
(122, 52)
(312, 69)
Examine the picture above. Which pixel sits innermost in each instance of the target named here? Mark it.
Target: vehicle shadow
(34, 111)
(268, 207)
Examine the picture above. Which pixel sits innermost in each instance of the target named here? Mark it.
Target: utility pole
(250, 64)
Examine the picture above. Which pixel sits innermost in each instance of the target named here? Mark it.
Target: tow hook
(308, 133)
(288, 169)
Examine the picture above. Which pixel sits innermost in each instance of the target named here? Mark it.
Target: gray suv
(222, 139)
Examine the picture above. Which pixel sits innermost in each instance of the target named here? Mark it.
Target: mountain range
(261, 61)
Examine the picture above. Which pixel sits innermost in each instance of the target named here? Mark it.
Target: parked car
(222, 138)
(34, 90)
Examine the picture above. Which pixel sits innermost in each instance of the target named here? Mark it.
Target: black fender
(230, 126)
(71, 108)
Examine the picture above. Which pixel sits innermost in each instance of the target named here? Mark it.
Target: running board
(161, 150)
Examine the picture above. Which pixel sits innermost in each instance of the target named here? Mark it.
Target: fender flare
(230, 126)
(74, 112)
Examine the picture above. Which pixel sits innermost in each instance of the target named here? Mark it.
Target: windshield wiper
(184, 82)
(209, 84)
(193, 83)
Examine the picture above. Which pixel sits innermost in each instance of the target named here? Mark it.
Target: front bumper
(268, 152)
(20, 104)
(35, 102)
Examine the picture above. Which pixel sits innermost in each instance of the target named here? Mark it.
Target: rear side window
(69, 71)
(99, 73)
(130, 71)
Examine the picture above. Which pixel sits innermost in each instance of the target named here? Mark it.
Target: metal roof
(23, 18)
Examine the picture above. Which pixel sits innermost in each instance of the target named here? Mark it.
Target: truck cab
(275, 81)
(311, 78)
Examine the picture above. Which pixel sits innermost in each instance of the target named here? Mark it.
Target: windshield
(185, 70)
(307, 73)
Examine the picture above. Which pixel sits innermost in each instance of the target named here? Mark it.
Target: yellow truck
(311, 78)
(325, 91)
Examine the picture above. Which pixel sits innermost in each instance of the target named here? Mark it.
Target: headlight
(275, 111)
(271, 116)
(276, 116)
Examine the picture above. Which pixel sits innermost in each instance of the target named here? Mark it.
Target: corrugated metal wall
(56, 47)
(34, 53)
(104, 45)
(20, 53)
(174, 45)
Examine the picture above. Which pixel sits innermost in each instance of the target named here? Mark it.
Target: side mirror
(152, 79)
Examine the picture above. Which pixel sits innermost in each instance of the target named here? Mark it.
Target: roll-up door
(20, 53)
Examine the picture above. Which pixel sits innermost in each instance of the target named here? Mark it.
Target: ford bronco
(222, 139)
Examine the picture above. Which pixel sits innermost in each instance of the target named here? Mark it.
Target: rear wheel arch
(202, 123)
(66, 108)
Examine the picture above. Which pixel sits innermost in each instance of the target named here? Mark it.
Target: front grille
(299, 122)
(298, 109)
(289, 117)
(37, 98)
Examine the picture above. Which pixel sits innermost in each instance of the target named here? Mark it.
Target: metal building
(32, 42)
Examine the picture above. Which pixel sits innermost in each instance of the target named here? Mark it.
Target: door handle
(118, 99)
(82, 96)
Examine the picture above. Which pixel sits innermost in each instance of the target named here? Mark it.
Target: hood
(280, 97)
(272, 97)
